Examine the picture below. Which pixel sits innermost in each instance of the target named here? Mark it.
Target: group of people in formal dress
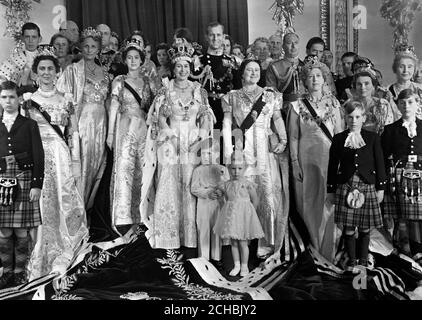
(209, 147)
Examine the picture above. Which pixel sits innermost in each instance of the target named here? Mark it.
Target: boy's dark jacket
(367, 161)
(23, 141)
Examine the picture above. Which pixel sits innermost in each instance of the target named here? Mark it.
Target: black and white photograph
(223, 151)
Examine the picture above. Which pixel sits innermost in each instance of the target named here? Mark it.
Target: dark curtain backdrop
(159, 18)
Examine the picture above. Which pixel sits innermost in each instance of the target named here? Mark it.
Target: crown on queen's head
(404, 50)
(311, 62)
(46, 50)
(181, 50)
(91, 32)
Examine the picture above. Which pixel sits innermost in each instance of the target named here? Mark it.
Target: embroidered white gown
(64, 223)
(129, 148)
(168, 208)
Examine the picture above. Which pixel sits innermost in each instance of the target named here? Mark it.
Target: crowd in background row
(170, 118)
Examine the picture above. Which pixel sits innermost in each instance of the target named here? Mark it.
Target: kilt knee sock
(363, 244)
(350, 244)
(6, 254)
(21, 253)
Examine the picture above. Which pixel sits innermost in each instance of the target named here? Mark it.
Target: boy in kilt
(402, 146)
(21, 157)
(356, 173)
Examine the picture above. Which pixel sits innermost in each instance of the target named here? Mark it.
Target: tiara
(182, 50)
(46, 50)
(135, 44)
(91, 32)
(404, 50)
(362, 64)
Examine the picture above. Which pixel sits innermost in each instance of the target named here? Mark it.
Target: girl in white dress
(238, 220)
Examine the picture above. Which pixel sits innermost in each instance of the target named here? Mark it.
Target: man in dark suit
(21, 161)
(346, 82)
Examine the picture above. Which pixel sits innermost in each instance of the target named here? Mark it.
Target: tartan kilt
(22, 214)
(390, 206)
(367, 217)
(403, 208)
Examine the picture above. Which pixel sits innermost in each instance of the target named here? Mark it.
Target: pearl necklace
(47, 94)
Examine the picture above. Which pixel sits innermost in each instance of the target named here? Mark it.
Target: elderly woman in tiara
(88, 83)
(312, 122)
(62, 207)
(405, 66)
(127, 131)
(180, 119)
(253, 114)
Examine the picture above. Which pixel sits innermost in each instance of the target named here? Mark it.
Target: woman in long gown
(89, 83)
(265, 140)
(180, 119)
(64, 223)
(131, 98)
(310, 138)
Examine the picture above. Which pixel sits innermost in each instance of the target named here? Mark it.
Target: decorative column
(341, 26)
(355, 32)
(324, 22)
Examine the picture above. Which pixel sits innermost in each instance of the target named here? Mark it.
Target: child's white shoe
(244, 271)
(235, 271)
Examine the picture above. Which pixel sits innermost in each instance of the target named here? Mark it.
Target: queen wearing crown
(405, 66)
(180, 120)
(88, 83)
(312, 122)
(62, 208)
(130, 102)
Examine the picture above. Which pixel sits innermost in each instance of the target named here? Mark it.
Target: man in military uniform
(109, 57)
(216, 70)
(283, 74)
